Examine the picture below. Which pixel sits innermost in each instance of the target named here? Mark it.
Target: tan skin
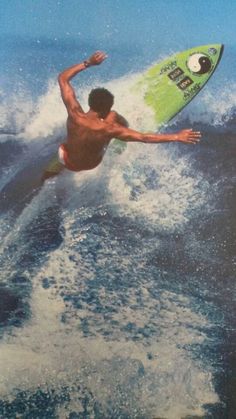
(88, 134)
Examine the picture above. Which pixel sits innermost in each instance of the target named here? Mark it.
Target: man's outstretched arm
(187, 136)
(67, 91)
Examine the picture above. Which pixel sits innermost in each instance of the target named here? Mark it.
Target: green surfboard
(171, 84)
(168, 86)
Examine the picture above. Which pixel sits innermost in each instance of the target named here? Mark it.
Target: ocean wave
(137, 334)
(46, 115)
(213, 107)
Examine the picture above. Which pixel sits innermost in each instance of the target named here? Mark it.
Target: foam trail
(48, 353)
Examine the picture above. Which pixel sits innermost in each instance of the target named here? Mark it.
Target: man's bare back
(88, 137)
(89, 133)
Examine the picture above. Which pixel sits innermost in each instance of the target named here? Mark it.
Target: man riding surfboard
(89, 133)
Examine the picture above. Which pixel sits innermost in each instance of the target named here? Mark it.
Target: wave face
(117, 283)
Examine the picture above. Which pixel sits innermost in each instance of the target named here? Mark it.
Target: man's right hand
(188, 136)
(97, 58)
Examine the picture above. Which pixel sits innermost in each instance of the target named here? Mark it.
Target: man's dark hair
(101, 100)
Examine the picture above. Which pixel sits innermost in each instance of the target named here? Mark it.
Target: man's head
(101, 101)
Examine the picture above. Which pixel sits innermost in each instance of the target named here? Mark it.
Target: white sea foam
(15, 111)
(213, 107)
(150, 182)
(49, 114)
(49, 354)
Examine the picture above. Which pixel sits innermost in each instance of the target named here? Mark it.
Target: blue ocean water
(117, 285)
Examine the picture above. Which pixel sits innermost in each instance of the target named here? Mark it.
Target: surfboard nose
(221, 50)
(215, 49)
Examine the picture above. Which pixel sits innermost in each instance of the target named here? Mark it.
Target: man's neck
(93, 114)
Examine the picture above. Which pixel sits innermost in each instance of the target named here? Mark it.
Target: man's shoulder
(78, 118)
(111, 118)
(115, 117)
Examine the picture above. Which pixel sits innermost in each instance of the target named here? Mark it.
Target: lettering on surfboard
(170, 66)
(175, 74)
(185, 83)
(192, 92)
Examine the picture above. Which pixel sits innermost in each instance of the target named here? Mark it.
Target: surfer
(89, 133)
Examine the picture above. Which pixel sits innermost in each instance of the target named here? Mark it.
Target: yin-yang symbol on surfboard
(199, 63)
